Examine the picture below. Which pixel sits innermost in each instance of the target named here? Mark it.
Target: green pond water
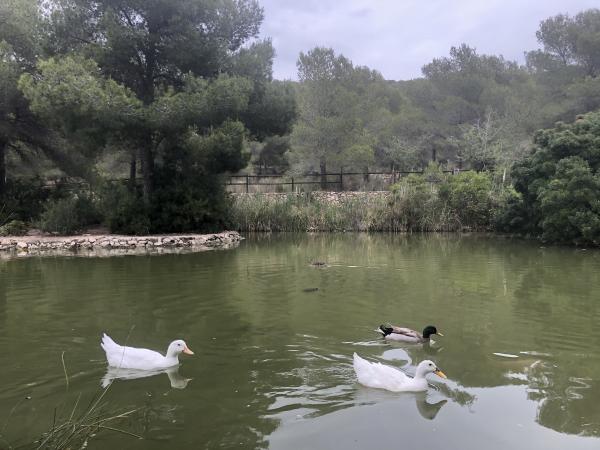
(274, 336)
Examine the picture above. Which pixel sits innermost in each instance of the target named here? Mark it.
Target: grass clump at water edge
(76, 431)
(468, 201)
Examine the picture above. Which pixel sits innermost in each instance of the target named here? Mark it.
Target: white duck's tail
(114, 352)
(361, 368)
(356, 360)
(108, 345)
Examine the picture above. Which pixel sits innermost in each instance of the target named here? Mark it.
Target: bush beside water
(182, 205)
(14, 228)
(468, 201)
(69, 215)
(558, 185)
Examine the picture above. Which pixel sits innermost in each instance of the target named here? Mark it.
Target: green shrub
(470, 196)
(507, 210)
(188, 202)
(14, 228)
(24, 199)
(417, 206)
(69, 215)
(178, 204)
(433, 173)
(558, 185)
(570, 204)
(123, 211)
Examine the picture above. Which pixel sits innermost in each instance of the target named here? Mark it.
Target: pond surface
(274, 338)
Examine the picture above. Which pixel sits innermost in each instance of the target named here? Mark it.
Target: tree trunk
(3, 145)
(147, 159)
(323, 167)
(132, 171)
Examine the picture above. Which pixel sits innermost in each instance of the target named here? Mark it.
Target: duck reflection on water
(428, 410)
(112, 373)
(423, 400)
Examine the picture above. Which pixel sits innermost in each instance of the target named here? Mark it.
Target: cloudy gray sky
(397, 37)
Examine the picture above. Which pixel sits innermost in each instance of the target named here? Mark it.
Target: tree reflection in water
(566, 403)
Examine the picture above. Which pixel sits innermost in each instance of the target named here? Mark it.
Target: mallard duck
(377, 375)
(140, 358)
(394, 333)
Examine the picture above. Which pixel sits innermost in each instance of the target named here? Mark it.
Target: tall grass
(75, 431)
(467, 201)
(296, 212)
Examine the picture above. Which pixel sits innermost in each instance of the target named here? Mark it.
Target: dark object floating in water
(318, 263)
(310, 290)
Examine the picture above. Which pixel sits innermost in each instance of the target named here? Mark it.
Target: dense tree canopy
(19, 45)
(177, 85)
(559, 184)
(349, 116)
(165, 52)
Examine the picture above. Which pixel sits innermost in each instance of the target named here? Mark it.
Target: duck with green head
(401, 334)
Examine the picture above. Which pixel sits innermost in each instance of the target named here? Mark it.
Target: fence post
(247, 184)
(292, 185)
(341, 179)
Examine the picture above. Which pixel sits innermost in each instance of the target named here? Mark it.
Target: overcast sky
(397, 37)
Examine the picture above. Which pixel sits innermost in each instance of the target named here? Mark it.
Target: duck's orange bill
(187, 351)
(439, 373)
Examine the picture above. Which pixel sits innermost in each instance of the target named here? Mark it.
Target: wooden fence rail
(342, 181)
(320, 180)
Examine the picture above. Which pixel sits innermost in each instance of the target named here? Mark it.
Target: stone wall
(324, 196)
(107, 245)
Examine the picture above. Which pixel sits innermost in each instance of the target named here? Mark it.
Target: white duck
(140, 358)
(377, 375)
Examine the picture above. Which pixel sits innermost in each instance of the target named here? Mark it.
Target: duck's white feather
(377, 375)
(124, 357)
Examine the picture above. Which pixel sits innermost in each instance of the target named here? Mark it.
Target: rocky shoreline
(114, 245)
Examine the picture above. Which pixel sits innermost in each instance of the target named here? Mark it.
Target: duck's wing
(378, 375)
(406, 332)
(140, 358)
(129, 357)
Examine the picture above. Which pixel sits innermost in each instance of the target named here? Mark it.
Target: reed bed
(469, 203)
